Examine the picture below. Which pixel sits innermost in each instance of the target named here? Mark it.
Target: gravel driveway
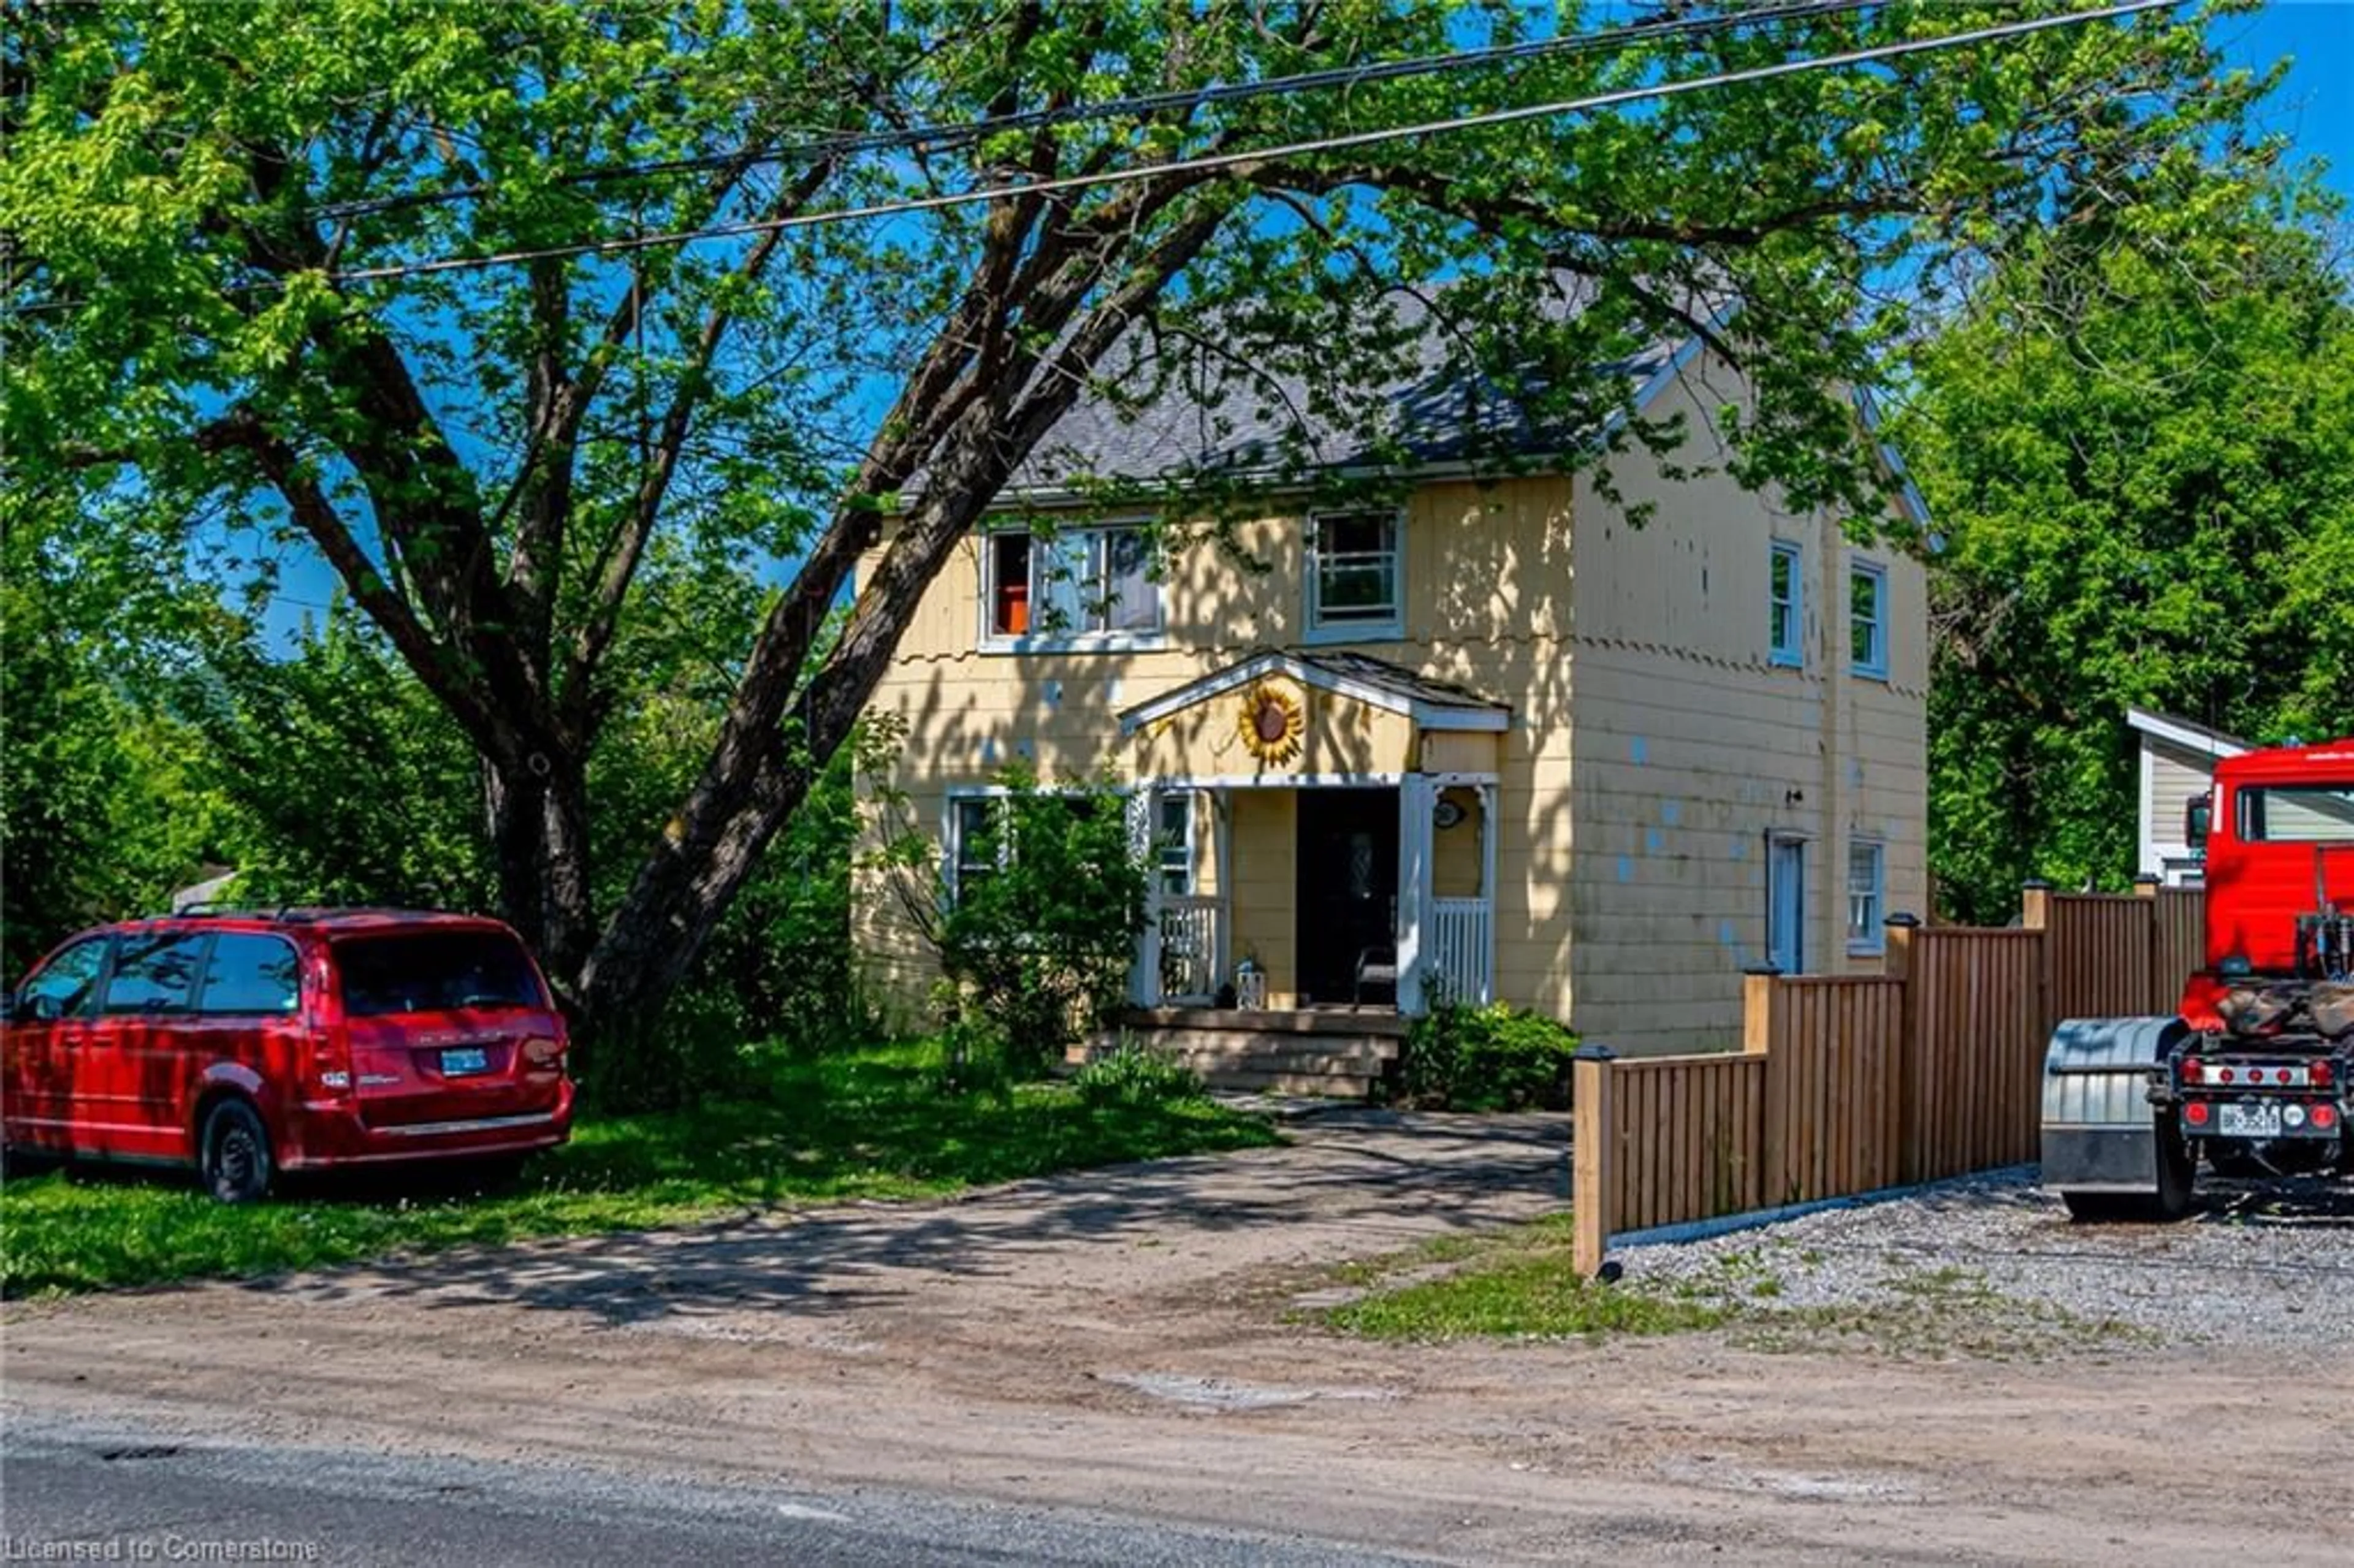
(1123, 1342)
(2258, 1266)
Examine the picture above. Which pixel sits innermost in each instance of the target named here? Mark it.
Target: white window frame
(952, 834)
(1791, 656)
(1867, 900)
(1390, 628)
(1167, 846)
(1874, 663)
(952, 829)
(1084, 639)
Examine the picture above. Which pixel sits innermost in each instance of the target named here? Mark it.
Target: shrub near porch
(1491, 1058)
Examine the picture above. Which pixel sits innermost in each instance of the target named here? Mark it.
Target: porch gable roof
(1431, 704)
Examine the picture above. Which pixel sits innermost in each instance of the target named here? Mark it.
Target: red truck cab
(2263, 1077)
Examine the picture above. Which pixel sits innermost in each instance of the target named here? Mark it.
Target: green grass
(1519, 1283)
(1516, 1283)
(864, 1124)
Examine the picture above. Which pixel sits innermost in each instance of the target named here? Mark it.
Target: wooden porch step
(1272, 1052)
(1327, 1086)
(1316, 1061)
(1310, 1020)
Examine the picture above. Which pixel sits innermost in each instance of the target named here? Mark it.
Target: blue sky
(2314, 108)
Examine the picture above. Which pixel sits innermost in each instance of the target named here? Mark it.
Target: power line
(1216, 160)
(1139, 107)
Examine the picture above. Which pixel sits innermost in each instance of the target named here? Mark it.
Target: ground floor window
(975, 846)
(1867, 896)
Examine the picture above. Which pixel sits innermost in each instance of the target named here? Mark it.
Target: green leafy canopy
(520, 473)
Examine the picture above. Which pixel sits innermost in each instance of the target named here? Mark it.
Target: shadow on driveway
(1351, 1183)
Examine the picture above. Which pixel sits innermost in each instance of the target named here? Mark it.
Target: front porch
(1367, 894)
(1322, 831)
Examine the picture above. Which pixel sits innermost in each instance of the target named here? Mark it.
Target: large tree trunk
(652, 945)
(539, 835)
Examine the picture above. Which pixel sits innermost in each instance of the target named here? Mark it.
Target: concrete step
(1329, 1086)
(1315, 1020)
(1329, 1064)
(1245, 1060)
(1372, 1050)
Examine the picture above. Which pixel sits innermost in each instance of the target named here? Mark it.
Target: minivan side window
(250, 974)
(155, 973)
(63, 989)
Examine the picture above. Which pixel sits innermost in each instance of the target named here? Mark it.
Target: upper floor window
(1355, 588)
(1080, 584)
(1867, 612)
(1867, 896)
(1786, 614)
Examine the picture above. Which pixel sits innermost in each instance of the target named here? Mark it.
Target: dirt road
(1117, 1340)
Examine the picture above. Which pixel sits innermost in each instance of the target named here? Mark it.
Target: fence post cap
(1904, 921)
(2148, 878)
(1591, 1053)
(2036, 883)
(1762, 969)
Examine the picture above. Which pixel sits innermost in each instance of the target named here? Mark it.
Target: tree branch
(620, 563)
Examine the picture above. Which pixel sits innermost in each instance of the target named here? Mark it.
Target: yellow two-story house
(1494, 741)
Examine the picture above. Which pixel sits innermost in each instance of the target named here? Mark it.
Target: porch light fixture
(1271, 723)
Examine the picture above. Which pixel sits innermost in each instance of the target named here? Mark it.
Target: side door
(134, 1064)
(248, 1027)
(52, 1011)
(1786, 905)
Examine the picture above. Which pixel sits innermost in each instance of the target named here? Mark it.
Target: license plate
(2248, 1121)
(458, 1063)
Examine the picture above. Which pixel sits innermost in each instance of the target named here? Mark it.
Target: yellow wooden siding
(1205, 740)
(1455, 856)
(1266, 844)
(1651, 824)
(971, 714)
(1691, 748)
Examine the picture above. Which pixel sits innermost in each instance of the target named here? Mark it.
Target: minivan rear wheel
(234, 1157)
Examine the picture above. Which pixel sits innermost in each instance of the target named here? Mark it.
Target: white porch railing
(1461, 947)
(1191, 948)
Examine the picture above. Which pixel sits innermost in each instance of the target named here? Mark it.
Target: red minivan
(245, 1043)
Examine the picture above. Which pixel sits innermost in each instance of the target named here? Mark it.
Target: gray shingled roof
(1398, 679)
(1435, 415)
(1421, 693)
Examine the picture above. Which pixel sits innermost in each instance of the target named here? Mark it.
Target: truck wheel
(2178, 1172)
(233, 1153)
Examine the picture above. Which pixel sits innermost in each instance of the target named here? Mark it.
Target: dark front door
(1348, 889)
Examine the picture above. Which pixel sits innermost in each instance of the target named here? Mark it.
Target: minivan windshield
(435, 971)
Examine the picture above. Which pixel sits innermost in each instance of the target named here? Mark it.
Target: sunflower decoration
(1272, 722)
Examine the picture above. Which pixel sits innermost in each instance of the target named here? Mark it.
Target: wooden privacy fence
(1846, 1084)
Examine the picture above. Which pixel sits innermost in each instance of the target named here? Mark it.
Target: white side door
(1786, 905)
